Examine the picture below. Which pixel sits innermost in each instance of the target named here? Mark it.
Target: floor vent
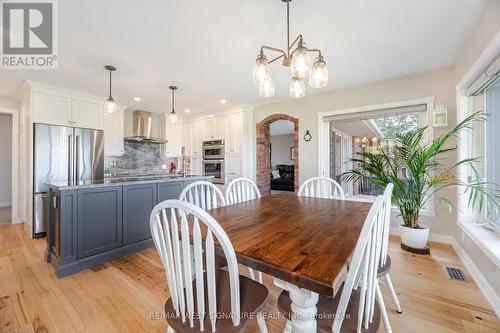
(455, 274)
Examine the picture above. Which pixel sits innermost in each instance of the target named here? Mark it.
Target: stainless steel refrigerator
(62, 154)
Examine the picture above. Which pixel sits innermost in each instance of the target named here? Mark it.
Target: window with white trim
(492, 156)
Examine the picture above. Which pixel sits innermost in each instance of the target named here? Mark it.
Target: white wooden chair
(216, 298)
(207, 196)
(203, 194)
(240, 190)
(385, 259)
(360, 289)
(321, 187)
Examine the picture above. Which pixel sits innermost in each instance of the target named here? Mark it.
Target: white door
(113, 134)
(87, 115)
(52, 110)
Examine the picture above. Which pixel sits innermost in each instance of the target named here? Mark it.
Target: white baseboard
(486, 289)
(5, 203)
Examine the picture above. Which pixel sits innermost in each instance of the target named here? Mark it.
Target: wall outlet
(164, 166)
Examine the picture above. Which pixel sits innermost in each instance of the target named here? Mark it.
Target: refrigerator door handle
(77, 158)
(70, 158)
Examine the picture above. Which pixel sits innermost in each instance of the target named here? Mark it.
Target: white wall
(280, 149)
(8, 103)
(5, 159)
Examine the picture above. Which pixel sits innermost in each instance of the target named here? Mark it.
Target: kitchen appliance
(213, 160)
(213, 149)
(214, 168)
(62, 154)
(145, 128)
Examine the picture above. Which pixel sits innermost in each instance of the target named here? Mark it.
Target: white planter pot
(416, 238)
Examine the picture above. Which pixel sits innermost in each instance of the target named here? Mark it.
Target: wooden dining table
(303, 243)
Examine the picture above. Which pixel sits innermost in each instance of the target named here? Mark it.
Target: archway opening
(264, 158)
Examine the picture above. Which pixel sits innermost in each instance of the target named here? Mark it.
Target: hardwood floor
(127, 295)
(5, 215)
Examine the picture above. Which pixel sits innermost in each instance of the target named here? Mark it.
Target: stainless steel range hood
(145, 128)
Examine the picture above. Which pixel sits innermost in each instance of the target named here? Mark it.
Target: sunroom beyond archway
(263, 152)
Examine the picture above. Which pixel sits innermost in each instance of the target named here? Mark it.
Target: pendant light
(173, 116)
(296, 56)
(110, 104)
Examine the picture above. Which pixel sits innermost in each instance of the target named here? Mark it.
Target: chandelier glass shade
(319, 74)
(296, 56)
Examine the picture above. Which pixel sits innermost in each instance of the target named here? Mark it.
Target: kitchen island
(92, 222)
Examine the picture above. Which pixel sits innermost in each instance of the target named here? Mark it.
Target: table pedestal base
(303, 307)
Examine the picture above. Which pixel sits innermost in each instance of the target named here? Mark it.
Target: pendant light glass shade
(267, 87)
(319, 74)
(261, 70)
(297, 88)
(110, 105)
(172, 117)
(301, 62)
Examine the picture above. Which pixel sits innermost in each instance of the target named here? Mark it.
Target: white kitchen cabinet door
(197, 135)
(174, 137)
(234, 133)
(233, 165)
(187, 131)
(52, 110)
(87, 115)
(113, 134)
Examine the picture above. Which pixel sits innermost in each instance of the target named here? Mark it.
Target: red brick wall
(262, 158)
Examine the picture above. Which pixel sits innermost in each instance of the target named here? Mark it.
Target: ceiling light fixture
(110, 104)
(173, 116)
(187, 110)
(137, 99)
(223, 101)
(300, 63)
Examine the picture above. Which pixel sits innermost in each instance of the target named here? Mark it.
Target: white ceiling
(208, 48)
(280, 127)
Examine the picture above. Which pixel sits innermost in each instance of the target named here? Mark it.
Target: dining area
(323, 251)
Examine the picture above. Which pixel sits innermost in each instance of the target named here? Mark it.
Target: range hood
(145, 128)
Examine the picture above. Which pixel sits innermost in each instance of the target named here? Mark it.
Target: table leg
(303, 307)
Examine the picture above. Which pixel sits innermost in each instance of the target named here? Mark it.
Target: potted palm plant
(418, 172)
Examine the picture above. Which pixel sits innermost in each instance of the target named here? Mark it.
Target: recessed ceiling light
(137, 99)
(211, 115)
(223, 101)
(187, 110)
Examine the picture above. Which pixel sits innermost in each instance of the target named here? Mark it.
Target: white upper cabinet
(52, 110)
(87, 115)
(234, 133)
(65, 111)
(174, 136)
(113, 133)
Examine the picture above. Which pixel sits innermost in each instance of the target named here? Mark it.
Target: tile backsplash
(140, 158)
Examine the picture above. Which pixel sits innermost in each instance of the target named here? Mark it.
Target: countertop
(66, 185)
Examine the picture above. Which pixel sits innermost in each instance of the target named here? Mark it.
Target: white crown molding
(245, 108)
(29, 86)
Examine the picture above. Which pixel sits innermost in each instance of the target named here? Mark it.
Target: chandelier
(300, 63)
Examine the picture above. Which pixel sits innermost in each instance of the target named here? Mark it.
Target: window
(492, 158)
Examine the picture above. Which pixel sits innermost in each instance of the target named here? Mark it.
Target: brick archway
(263, 152)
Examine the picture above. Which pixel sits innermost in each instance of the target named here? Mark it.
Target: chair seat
(327, 306)
(253, 296)
(384, 270)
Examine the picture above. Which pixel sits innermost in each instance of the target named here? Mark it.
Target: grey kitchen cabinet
(138, 202)
(99, 220)
(170, 190)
